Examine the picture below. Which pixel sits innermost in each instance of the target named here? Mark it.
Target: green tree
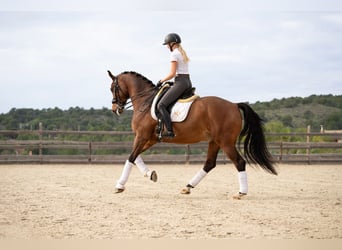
(334, 121)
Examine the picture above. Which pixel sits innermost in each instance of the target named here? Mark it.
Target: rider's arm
(172, 73)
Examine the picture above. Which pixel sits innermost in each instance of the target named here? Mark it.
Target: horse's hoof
(154, 176)
(119, 190)
(239, 196)
(185, 190)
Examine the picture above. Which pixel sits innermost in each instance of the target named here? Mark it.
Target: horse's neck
(135, 87)
(132, 86)
(139, 91)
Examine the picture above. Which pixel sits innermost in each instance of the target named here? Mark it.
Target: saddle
(178, 110)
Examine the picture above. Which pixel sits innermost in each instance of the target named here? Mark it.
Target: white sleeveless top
(182, 67)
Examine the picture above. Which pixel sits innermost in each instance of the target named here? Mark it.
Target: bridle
(116, 98)
(122, 104)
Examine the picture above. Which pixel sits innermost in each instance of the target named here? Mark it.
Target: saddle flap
(179, 109)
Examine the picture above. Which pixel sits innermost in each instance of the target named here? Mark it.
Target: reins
(123, 105)
(137, 96)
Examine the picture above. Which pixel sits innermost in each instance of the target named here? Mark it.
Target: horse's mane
(149, 95)
(139, 76)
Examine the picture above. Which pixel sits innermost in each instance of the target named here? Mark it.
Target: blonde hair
(182, 51)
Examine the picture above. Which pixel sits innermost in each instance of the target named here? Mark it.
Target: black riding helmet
(172, 38)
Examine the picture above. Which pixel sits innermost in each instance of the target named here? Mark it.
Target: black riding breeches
(182, 83)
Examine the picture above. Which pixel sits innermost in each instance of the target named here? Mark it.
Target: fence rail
(41, 150)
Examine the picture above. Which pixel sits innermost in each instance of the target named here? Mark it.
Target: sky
(57, 53)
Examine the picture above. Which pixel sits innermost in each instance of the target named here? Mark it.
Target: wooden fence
(48, 144)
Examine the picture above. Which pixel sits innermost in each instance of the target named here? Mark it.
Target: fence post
(308, 131)
(281, 151)
(90, 153)
(41, 142)
(187, 154)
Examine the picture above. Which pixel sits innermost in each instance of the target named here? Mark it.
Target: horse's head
(119, 97)
(134, 86)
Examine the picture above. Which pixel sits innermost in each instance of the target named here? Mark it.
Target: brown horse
(211, 119)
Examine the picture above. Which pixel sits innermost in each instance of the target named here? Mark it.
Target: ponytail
(182, 51)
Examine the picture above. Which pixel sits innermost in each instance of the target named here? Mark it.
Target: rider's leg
(167, 120)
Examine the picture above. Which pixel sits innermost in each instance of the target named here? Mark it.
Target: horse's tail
(255, 149)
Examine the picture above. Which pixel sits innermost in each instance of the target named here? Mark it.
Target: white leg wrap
(141, 166)
(120, 184)
(197, 178)
(243, 182)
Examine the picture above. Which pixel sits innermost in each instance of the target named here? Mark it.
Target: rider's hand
(159, 84)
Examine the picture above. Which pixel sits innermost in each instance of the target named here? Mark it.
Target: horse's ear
(111, 75)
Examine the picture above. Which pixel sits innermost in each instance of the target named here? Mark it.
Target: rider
(179, 70)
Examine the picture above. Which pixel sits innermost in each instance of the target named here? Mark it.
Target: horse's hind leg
(240, 165)
(210, 163)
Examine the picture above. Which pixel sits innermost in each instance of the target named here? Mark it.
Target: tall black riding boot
(167, 120)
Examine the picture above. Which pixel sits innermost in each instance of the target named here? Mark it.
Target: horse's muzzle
(117, 109)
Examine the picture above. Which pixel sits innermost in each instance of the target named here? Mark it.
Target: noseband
(116, 99)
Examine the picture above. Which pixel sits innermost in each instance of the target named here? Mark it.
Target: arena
(78, 202)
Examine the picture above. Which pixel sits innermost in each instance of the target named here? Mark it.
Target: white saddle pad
(179, 111)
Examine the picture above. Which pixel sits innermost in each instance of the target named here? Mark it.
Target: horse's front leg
(139, 146)
(151, 174)
(126, 171)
